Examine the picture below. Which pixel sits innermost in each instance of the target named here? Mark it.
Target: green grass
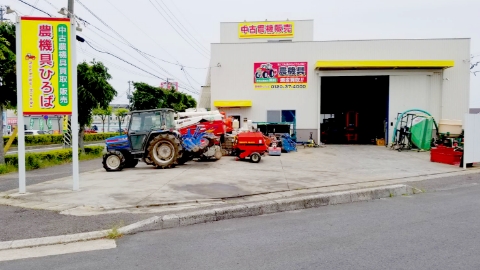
(39, 160)
(114, 233)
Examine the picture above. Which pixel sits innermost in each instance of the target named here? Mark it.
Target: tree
(147, 97)
(94, 91)
(103, 114)
(8, 78)
(121, 114)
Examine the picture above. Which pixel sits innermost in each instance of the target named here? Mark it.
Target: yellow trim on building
(232, 103)
(383, 64)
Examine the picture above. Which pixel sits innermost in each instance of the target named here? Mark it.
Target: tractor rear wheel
(164, 150)
(113, 161)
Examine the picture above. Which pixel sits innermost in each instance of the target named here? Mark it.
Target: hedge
(35, 160)
(58, 138)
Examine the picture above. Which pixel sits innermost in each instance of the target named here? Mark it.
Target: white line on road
(43, 251)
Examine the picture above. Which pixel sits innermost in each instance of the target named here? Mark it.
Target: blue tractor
(152, 137)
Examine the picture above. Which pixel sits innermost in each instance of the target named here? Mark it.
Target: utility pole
(74, 120)
(2, 11)
(70, 8)
(129, 95)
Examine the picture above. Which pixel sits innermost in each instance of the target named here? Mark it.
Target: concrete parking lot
(195, 184)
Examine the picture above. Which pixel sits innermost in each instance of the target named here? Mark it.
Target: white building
(375, 79)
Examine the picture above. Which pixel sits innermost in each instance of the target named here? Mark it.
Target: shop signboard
(285, 29)
(169, 85)
(280, 75)
(46, 65)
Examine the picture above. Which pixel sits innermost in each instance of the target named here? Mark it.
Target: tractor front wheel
(164, 150)
(113, 161)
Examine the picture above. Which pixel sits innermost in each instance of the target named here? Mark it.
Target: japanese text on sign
(280, 75)
(266, 30)
(63, 64)
(45, 61)
(46, 71)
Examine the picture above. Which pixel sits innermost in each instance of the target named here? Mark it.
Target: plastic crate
(445, 155)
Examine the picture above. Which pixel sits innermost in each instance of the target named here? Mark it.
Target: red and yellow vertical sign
(46, 66)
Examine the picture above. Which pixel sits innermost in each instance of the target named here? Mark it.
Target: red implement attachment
(250, 145)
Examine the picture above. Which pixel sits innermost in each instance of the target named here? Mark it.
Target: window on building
(277, 116)
(238, 117)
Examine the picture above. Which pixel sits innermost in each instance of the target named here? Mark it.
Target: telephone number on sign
(288, 86)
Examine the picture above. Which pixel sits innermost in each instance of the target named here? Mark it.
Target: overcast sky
(145, 24)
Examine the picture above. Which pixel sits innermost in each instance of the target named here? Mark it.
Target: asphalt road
(437, 230)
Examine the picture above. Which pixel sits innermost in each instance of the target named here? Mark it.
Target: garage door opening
(353, 109)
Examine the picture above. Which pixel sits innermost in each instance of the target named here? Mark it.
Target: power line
(189, 83)
(188, 74)
(113, 64)
(146, 34)
(85, 23)
(201, 53)
(169, 11)
(189, 90)
(120, 36)
(34, 7)
(88, 43)
(183, 15)
(120, 50)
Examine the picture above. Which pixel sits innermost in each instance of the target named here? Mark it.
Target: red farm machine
(250, 145)
(213, 122)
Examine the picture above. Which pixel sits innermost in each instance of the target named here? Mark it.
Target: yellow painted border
(232, 103)
(383, 64)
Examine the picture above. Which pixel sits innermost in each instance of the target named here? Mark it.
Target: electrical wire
(118, 67)
(186, 30)
(146, 65)
(189, 83)
(184, 17)
(88, 43)
(120, 36)
(195, 48)
(146, 34)
(128, 43)
(188, 75)
(85, 23)
(34, 7)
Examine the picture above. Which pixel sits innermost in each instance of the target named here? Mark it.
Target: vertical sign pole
(21, 120)
(75, 129)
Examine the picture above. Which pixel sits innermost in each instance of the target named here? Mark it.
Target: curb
(223, 213)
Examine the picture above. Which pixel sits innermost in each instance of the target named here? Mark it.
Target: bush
(58, 138)
(36, 160)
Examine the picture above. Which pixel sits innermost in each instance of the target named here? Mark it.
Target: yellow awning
(383, 64)
(232, 103)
